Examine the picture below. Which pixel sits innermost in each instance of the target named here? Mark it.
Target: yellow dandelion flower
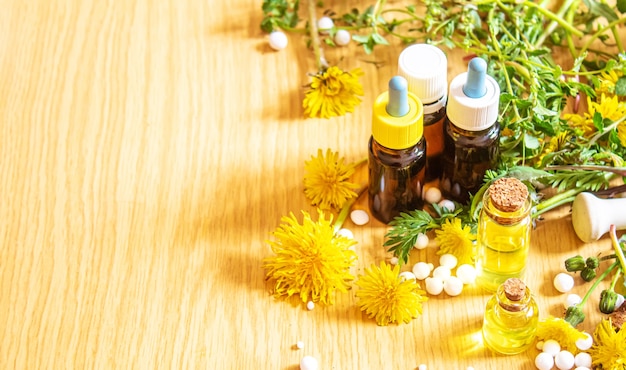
(333, 92)
(608, 79)
(326, 182)
(310, 261)
(561, 331)
(609, 347)
(457, 240)
(607, 106)
(387, 298)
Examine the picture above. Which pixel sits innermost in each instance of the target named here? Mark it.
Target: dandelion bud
(593, 262)
(588, 274)
(574, 315)
(608, 299)
(576, 263)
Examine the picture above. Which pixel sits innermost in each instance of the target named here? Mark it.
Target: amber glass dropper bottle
(397, 153)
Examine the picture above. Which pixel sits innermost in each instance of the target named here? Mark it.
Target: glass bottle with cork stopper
(397, 153)
(425, 67)
(511, 318)
(503, 237)
(471, 131)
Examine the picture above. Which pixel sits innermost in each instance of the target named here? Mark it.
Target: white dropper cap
(474, 98)
(425, 68)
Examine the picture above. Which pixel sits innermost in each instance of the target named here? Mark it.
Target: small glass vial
(425, 67)
(471, 132)
(503, 237)
(397, 153)
(511, 318)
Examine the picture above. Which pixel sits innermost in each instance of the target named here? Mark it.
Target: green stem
(557, 200)
(556, 19)
(615, 279)
(609, 128)
(315, 39)
(597, 282)
(611, 25)
(345, 210)
(618, 249)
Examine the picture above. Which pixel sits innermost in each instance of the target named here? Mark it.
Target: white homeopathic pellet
(583, 359)
(394, 260)
(442, 272)
(447, 204)
(432, 195)
(310, 305)
(422, 367)
(422, 270)
(552, 347)
(467, 273)
(421, 241)
(309, 363)
(342, 37)
(563, 282)
(453, 286)
(434, 285)
(586, 343)
(345, 233)
(359, 217)
(564, 360)
(448, 260)
(544, 361)
(299, 344)
(620, 301)
(277, 40)
(571, 300)
(325, 24)
(407, 275)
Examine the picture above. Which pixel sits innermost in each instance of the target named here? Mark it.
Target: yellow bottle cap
(395, 132)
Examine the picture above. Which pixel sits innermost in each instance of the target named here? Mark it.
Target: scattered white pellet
(359, 217)
(394, 260)
(432, 195)
(310, 305)
(447, 204)
(539, 345)
(345, 233)
(325, 24)
(619, 302)
(544, 361)
(582, 368)
(442, 272)
(342, 37)
(552, 347)
(422, 270)
(448, 260)
(470, 368)
(564, 360)
(277, 40)
(434, 285)
(407, 275)
(453, 286)
(467, 273)
(422, 241)
(309, 363)
(299, 344)
(585, 344)
(563, 282)
(422, 367)
(582, 359)
(572, 299)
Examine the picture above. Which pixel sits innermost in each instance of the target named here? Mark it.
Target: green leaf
(621, 6)
(379, 40)
(602, 10)
(620, 85)
(531, 142)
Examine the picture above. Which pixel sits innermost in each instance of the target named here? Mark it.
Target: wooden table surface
(147, 152)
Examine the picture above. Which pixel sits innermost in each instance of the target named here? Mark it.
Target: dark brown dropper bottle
(471, 131)
(397, 153)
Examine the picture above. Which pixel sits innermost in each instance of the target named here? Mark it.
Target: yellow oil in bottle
(503, 237)
(510, 321)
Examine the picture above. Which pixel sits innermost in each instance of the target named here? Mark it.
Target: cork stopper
(514, 289)
(508, 194)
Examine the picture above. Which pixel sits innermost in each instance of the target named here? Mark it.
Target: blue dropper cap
(398, 105)
(476, 74)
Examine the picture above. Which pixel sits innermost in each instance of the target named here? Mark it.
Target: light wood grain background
(147, 151)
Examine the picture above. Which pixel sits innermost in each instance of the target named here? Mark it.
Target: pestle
(592, 216)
